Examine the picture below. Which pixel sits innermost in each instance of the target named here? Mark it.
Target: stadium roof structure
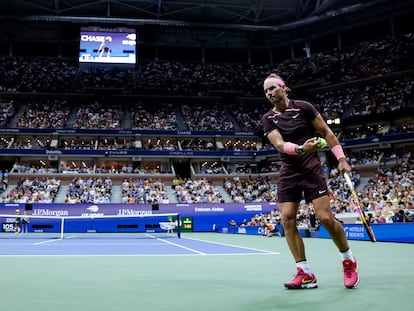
(201, 23)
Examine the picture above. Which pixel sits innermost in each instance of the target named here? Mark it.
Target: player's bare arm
(323, 128)
(276, 139)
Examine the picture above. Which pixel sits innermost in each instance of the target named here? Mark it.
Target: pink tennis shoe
(302, 280)
(351, 277)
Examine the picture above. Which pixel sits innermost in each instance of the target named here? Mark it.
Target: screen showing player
(107, 47)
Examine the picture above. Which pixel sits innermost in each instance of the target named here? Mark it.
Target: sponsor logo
(10, 130)
(241, 230)
(253, 207)
(183, 132)
(244, 133)
(116, 152)
(92, 215)
(306, 281)
(295, 116)
(48, 212)
(132, 36)
(129, 211)
(181, 153)
(93, 208)
(65, 131)
(209, 209)
(322, 191)
(356, 232)
(129, 42)
(90, 38)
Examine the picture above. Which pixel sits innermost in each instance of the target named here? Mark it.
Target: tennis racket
(359, 209)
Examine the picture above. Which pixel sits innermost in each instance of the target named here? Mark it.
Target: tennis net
(147, 225)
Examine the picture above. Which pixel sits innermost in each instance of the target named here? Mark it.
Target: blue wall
(399, 232)
(206, 217)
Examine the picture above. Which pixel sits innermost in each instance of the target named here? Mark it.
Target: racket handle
(348, 180)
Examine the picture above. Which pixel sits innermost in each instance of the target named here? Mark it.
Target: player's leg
(293, 238)
(304, 278)
(336, 231)
(17, 226)
(323, 212)
(316, 191)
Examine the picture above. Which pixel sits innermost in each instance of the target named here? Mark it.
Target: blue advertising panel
(395, 232)
(206, 217)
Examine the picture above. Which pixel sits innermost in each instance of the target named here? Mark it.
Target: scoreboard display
(110, 47)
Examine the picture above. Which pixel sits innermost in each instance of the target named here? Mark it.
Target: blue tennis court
(118, 244)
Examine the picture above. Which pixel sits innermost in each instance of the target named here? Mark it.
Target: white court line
(53, 240)
(138, 255)
(105, 244)
(231, 245)
(47, 241)
(183, 247)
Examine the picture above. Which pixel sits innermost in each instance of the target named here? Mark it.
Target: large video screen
(107, 47)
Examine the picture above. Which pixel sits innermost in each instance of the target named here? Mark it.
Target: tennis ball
(321, 142)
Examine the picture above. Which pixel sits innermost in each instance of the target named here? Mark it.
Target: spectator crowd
(365, 80)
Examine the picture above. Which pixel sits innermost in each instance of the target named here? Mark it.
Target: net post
(62, 226)
(178, 226)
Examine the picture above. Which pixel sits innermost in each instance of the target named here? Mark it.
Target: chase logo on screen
(93, 208)
(92, 38)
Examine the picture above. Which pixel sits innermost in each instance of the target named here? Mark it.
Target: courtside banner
(51, 209)
(248, 230)
(205, 216)
(130, 152)
(362, 141)
(126, 132)
(394, 232)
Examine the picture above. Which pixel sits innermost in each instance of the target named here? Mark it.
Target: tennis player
(17, 222)
(291, 126)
